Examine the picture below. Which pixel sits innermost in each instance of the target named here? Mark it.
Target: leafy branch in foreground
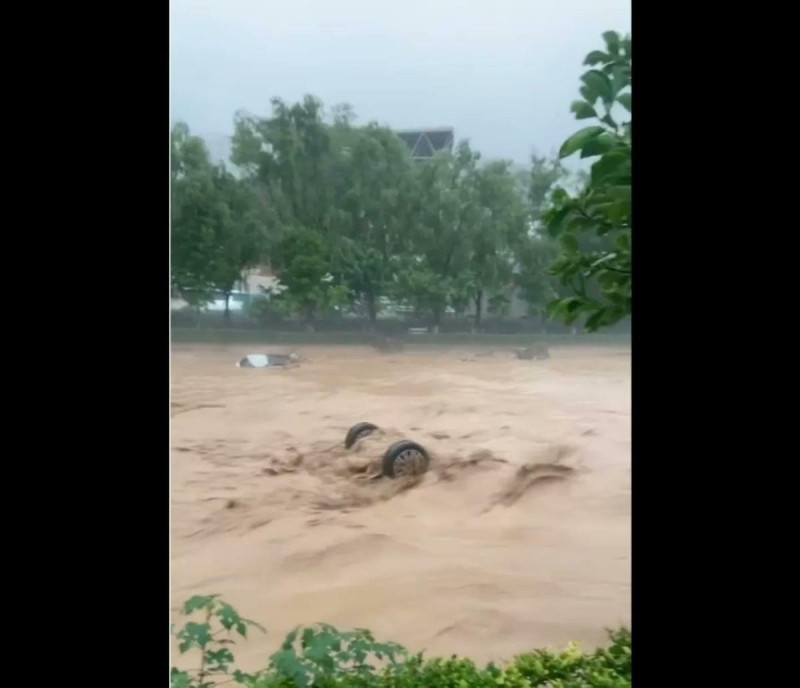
(210, 637)
(321, 656)
(594, 226)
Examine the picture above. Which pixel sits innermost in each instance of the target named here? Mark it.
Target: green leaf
(228, 616)
(624, 99)
(590, 96)
(198, 602)
(570, 243)
(555, 219)
(619, 213)
(598, 83)
(599, 145)
(596, 57)
(626, 47)
(619, 80)
(623, 242)
(240, 677)
(290, 639)
(306, 637)
(559, 196)
(194, 634)
(620, 193)
(179, 679)
(579, 223)
(612, 42)
(607, 119)
(568, 309)
(595, 321)
(582, 109)
(578, 140)
(610, 165)
(218, 660)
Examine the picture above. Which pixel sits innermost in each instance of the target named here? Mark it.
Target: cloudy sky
(501, 72)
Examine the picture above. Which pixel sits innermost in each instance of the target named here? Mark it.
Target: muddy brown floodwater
(519, 536)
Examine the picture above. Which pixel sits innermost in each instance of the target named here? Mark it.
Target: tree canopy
(349, 221)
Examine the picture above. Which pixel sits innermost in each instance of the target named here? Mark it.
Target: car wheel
(358, 431)
(405, 458)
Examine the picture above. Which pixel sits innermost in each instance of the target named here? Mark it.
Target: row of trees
(348, 220)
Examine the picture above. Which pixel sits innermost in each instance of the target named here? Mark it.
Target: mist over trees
(350, 223)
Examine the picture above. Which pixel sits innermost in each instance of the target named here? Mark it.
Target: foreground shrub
(608, 667)
(323, 657)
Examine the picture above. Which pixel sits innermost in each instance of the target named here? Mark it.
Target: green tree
(594, 226)
(434, 274)
(242, 236)
(545, 175)
(192, 217)
(302, 258)
(500, 223)
(535, 250)
(537, 287)
(289, 157)
(373, 183)
(290, 154)
(219, 223)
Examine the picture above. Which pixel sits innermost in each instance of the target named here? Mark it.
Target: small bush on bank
(323, 657)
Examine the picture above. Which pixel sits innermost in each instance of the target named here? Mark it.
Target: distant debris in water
(536, 351)
(268, 360)
(388, 345)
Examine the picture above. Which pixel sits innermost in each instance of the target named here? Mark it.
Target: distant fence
(188, 321)
(253, 337)
(213, 329)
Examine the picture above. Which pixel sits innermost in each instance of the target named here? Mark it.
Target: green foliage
(466, 218)
(500, 224)
(598, 270)
(323, 657)
(342, 195)
(535, 251)
(373, 181)
(210, 638)
(219, 223)
(537, 286)
(348, 220)
(303, 259)
(446, 215)
(288, 157)
(289, 153)
(194, 217)
(607, 667)
(544, 177)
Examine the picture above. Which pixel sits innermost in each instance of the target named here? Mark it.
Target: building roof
(425, 143)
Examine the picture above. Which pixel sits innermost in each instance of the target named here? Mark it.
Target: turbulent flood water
(517, 537)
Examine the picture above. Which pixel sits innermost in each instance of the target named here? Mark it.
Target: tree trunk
(476, 326)
(309, 319)
(372, 310)
(437, 318)
(227, 309)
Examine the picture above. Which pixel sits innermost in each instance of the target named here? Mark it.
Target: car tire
(404, 459)
(358, 431)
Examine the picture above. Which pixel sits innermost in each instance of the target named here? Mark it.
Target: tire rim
(409, 462)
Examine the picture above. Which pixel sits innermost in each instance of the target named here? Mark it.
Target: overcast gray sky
(502, 72)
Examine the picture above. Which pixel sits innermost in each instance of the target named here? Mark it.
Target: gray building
(425, 143)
